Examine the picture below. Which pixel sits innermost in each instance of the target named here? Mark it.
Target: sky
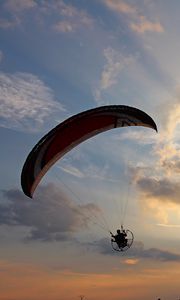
(59, 58)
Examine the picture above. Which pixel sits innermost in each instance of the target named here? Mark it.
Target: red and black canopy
(74, 131)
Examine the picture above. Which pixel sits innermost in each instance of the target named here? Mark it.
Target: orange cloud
(144, 25)
(140, 24)
(120, 6)
(24, 281)
(131, 261)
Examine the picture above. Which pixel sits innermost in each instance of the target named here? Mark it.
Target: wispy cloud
(8, 24)
(88, 170)
(16, 10)
(71, 18)
(115, 63)
(51, 216)
(64, 26)
(16, 6)
(137, 22)
(72, 170)
(26, 102)
(120, 6)
(169, 225)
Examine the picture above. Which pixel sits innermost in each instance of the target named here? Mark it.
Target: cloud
(160, 255)
(115, 63)
(35, 279)
(26, 102)
(50, 216)
(166, 148)
(131, 261)
(68, 10)
(158, 196)
(140, 24)
(157, 181)
(73, 171)
(71, 18)
(1, 56)
(162, 189)
(64, 26)
(88, 170)
(139, 135)
(144, 25)
(172, 166)
(120, 6)
(169, 225)
(7, 24)
(15, 6)
(16, 10)
(137, 252)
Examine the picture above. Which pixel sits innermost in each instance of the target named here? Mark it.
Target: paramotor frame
(127, 245)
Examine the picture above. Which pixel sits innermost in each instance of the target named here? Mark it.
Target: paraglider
(70, 133)
(123, 240)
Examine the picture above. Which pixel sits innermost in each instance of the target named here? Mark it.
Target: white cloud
(115, 62)
(72, 171)
(88, 171)
(137, 135)
(26, 102)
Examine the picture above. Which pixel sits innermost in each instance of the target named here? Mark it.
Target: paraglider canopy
(74, 131)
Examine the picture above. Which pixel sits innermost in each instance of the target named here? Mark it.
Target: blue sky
(58, 58)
